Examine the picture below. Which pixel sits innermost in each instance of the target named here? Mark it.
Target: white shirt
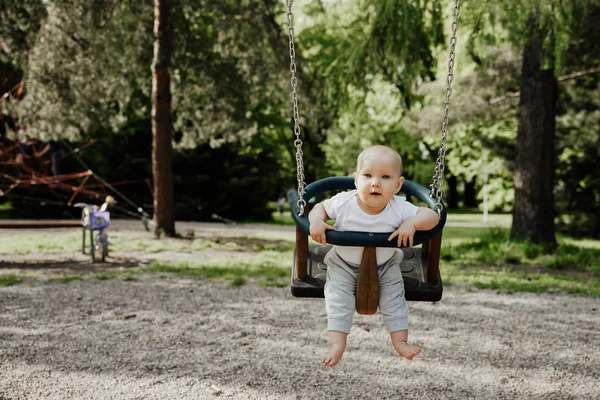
(344, 208)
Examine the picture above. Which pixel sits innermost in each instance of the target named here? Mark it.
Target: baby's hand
(405, 234)
(317, 231)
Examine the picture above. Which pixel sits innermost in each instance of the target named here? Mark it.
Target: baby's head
(378, 178)
(380, 154)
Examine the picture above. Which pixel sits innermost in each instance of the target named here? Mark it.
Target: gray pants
(340, 293)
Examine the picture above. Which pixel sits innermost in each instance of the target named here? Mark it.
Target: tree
(162, 151)
(533, 210)
(543, 29)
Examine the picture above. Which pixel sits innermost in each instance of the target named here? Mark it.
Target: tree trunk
(452, 194)
(162, 151)
(533, 211)
(470, 194)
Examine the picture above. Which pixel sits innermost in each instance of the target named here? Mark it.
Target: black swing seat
(420, 267)
(413, 267)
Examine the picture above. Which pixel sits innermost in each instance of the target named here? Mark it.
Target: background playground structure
(31, 174)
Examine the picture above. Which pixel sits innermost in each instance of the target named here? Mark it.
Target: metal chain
(298, 142)
(437, 180)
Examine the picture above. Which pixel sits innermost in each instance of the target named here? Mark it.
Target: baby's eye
(386, 177)
(367, 175)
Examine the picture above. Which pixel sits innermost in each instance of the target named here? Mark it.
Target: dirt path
(172, 338)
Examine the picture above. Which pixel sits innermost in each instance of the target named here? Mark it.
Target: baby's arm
(424, 220)
(317, 218)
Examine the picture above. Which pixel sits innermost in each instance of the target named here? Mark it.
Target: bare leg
(338, 345)
(404, 349)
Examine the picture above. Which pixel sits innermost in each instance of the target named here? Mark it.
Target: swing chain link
(294, 81)
(437, 180)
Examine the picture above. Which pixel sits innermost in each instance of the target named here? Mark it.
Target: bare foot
(333, 356)
(406, 350)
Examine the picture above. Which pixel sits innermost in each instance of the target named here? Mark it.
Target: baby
(372, 207)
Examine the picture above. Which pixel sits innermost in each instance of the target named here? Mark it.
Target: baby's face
(377, 181)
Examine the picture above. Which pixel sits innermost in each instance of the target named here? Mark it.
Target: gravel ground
(173, 338)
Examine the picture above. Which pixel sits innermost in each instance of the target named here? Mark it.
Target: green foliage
(84, 67)
(229, 71)
(481, 151)
(92, 70)
(229, 181)
(578, 135)
(11, 279)
(480, 137)
(354, 43)
(556, 22)
(375, 119)
(20, 24)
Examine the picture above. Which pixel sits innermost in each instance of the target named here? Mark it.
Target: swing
(420, 267)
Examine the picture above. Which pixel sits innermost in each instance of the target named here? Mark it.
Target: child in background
(280, 204)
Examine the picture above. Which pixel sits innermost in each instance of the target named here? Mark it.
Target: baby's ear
(400, 183)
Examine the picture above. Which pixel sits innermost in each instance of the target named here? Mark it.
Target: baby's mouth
(375, 194)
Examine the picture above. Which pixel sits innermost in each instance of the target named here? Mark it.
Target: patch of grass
(56, 242)
(70, 242)
(238, 281)
(103, 276)
(494, 248)
(100, 276)
(520, 279)
(495, 261)
(67, 278)
(274, 283)
(142, 241)
(571, 256)
(11, 279)
(268, 268)
(277, 246)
